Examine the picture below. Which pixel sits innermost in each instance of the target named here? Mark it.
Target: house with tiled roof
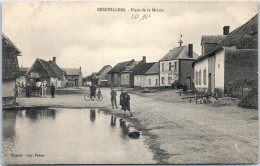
(140, 79)
(74, 77)
(104, 79)
(115, 72)
(231, 64)
(152, 75)
(176, 65)
(49, 71)
(127, 76)
(10, 70)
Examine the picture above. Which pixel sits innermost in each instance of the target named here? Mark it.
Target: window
(175, 65)
(169, 80)
(150, 82)
(170, 66)
(162, 66)
(197, 78)
(204, 76)
(200, 77)
(156, 82)
(163, 80)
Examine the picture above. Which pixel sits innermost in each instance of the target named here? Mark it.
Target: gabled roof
(244, 37)
(103, 69)
(142, 68)
(212, 39)
(154, 69)
(120, 66)
(181, 52)
(10, 43)
(71, 71)
(52, 68)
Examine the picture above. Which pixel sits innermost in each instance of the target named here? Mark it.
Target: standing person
(113, 97)
(127, 103)
(44, 88)
(92, 91)
(52, 90)
(121, 99)
(28, 90)
(19, 88)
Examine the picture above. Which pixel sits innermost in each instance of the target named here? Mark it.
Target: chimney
(80, 69)
(54, 60)
(144, 59)
(190, 50)
(225, 30)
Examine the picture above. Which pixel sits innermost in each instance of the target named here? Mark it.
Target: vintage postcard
(130, 82)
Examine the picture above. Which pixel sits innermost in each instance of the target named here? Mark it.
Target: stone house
(73, 77)
(104, 79)
(230, 63)
(177, 66)
(115, 72)
(10, 70)
(49, 71)
(152, 75)
(140, 78)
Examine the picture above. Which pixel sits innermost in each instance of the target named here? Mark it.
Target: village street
(178, 132)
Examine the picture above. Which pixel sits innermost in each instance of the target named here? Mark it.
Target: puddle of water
(69, 136)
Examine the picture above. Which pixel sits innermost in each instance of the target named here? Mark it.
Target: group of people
(124, 100)
(41, 89)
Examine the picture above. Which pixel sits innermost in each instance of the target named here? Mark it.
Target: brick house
(177, 66)
(49, 71)
(231, 63)
(10, 70)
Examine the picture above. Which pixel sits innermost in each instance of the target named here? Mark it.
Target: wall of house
(165, 73)
(119, 79)
(115, 80)
(8, 92)
(143, 81)
(153, 78)
(240, 68)
(211, 74)
(186, 72)
(200, 67)
(219, 72)
(125, 79)
(80, 79)
(108, 76)
(137, 80)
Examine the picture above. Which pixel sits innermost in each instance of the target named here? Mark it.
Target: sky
(79, 35)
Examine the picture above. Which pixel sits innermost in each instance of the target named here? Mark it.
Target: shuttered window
(200, 77)
(204, 76)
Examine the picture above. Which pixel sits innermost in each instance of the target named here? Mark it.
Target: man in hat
(52, 90)
(126, 101)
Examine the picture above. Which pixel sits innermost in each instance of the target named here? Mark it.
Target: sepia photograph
(130, 82)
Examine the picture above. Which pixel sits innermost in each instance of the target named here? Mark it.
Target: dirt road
(181, 133)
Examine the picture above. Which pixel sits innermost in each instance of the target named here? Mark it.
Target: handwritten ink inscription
(140, 17)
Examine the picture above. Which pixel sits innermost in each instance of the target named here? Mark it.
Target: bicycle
(98, 97)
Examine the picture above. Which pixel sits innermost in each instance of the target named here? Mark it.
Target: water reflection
(113, 121)
(92, 115)
(66, 132)
(35, 114)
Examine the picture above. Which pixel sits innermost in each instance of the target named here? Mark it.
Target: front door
(209, 86)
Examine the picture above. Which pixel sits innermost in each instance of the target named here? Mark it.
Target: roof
(120, 66)
(244, 37)
(52, 68)
(10, 43)
(23, 70)
(103, 69)
(71, 71)
(10, 67)
(212, 39)
(142, 68)
(181, 52)
(154, 69)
